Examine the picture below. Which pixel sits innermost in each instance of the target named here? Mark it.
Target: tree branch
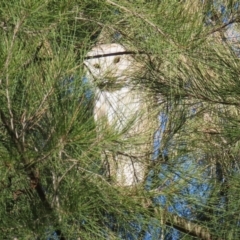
(34, 178)
(189, 227)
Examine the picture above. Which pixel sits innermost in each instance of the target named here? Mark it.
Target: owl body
(119, 107)
(123, 107)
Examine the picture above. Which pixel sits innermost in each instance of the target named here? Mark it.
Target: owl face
(109, 70)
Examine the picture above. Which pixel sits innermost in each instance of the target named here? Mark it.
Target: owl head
(107, 65)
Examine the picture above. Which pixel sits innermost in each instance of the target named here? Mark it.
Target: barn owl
(122, 106)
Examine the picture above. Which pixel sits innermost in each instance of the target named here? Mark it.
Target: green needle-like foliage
(51, 175)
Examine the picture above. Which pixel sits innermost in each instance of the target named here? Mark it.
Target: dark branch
(190, 228)
(34, 179)
(115, 54)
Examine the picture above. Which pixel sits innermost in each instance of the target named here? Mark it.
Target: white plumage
(121, 105)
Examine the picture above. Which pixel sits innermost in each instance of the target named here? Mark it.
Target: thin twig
(75, 163)
(223, 26)
(16, 29)
(34, 58)
(144, 19)
(67, 171)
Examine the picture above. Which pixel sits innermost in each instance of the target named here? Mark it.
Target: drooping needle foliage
(52, 179)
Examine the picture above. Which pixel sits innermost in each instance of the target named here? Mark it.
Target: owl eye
(116, 60)
(96, 65)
